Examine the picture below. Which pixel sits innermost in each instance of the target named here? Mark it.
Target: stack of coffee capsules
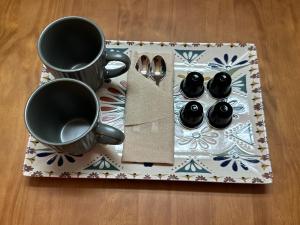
(218, 115)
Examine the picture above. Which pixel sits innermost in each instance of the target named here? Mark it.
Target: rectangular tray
(237, 154)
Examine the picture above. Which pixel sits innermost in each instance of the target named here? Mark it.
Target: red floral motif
(147, 177)
(261, 140)
(65, 175)
(27, 168)
(121, 176)
(257, 180)
(255, 75)
(93, 175)
(37, 174)
(229, 180)
(256, 90)
(30, 150)
(255, 61)
(260, 123)
(113, 103)
(265, 157)
(200, 178)
(258, 106)
(268, 175)
(251, 48)
(172, 177)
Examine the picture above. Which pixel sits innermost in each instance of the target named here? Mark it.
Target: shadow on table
(149, 185)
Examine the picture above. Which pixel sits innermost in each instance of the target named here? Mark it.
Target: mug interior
(61, 111)
(70, 43)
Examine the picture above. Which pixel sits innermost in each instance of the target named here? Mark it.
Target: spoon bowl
(158, 69)
(142, 65)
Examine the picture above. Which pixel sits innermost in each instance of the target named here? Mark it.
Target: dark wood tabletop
(273, 25)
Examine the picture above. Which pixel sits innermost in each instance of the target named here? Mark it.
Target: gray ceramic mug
(74, 47)
(63, 114)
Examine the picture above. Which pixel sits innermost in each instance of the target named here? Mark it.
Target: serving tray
(237, 154)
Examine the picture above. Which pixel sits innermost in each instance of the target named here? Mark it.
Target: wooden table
(273, 25)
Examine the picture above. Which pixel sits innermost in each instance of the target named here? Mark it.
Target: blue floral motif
(236, 158)
(54, 156)
(239, 84)
(237, 106)
(199, 139)
(242, 134)
(192, 167)
(102, 164)
(228, 64)
(189, 55)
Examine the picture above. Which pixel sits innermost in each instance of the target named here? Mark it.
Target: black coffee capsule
(220, 85)
(220, 115)
(192, 85)
(191, 115)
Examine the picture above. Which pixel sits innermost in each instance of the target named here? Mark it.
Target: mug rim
(64, 19)
(36, 91)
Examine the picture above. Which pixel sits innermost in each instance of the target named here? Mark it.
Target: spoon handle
(157, 78)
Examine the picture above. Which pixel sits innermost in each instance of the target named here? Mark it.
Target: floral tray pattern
(237, 154)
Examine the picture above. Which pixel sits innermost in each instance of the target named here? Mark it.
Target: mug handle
(106, 134)
(116, 56)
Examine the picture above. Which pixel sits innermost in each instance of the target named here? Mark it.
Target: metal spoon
(158, 69)
(142, 65)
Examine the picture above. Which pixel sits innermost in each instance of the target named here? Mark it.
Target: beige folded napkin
(149, 115)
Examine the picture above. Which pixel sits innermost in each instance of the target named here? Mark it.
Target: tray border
(260, 128)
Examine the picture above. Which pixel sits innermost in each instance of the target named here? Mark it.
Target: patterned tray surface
(238, 154)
